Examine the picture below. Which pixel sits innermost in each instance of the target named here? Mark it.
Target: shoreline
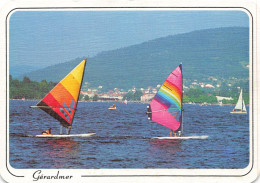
(201, 104)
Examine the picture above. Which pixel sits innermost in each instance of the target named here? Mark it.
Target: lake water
(123, 138)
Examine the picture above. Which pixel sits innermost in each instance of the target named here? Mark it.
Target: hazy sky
(43, 38)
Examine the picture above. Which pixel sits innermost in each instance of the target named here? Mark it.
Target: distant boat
(113, 107)
(23, 98)
(204, 103)
(61, 102)
(166, 108)
(125, 101)
(240, 107)
(220, 103)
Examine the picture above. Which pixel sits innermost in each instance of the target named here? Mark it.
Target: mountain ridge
(219, 52)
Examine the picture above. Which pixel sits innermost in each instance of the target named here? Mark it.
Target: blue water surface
(123, 138)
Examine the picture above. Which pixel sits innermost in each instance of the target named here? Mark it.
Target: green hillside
(222, 53)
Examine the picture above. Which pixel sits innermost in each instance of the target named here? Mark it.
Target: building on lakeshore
(209, 86)
(110, 96)
(89, 93)
(147, 97)
(219, 98)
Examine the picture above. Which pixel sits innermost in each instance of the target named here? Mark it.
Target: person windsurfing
(67, 129)
(179, 132)
(175, 134)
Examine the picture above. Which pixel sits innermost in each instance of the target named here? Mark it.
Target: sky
(43, 38)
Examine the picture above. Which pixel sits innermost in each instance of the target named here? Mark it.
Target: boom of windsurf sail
(166, 106)
(61, 102)
(48, 107)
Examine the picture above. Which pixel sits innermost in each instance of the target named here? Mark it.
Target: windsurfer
(61, 127)
(166, 106)
(174, 134)
(67, 129)
(47, 132)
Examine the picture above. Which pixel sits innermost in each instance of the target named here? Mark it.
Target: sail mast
(181, 99)
(242, 100)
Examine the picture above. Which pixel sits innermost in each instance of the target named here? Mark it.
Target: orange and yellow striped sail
(61, 101)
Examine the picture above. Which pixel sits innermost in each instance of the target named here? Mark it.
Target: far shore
(103, 101)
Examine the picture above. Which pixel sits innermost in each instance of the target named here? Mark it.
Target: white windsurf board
(66, 136)
(188, 137)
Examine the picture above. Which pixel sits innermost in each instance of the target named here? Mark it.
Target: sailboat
(220, 103)
(125, 101)
(240, 107)
(166, 108)
(61, 102)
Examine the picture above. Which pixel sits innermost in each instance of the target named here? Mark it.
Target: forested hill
(221, 53)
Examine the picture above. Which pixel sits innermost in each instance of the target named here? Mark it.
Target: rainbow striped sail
(61, 101)
(166, 106)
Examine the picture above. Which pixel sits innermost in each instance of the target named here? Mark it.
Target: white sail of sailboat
(240, 107)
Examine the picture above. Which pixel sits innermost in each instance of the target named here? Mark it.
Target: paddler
(47, 132)
(112, 107)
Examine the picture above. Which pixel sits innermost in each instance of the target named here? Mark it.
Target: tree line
(28, 89)
(37, 90)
